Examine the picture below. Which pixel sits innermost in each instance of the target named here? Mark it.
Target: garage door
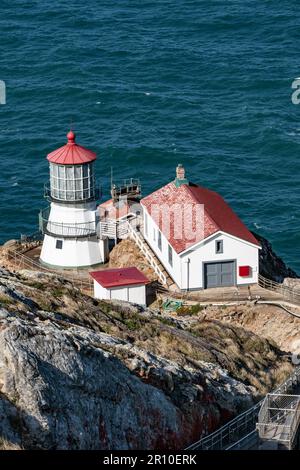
(219, 274)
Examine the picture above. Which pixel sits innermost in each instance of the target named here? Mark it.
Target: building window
(170, 253)
(154, 234)
(219, 246)
(159, 239)
(146, 225)
(59, 244)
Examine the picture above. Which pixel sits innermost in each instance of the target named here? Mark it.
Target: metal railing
(114, 229)
(289, 294)
(22, 261)
(65, 230)
(231, 432)
(235, 430)
(147, 252)
(129, 187)
(279, 418)
(248, 442)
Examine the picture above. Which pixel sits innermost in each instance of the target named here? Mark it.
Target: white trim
(211, 237)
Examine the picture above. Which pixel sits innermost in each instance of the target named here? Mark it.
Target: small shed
(127, 284)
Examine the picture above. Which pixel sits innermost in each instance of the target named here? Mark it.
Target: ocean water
(148, 84)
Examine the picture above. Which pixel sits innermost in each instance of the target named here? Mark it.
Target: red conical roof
(71, 153)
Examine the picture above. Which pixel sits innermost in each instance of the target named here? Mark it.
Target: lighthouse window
(59, 244)
(70, 183)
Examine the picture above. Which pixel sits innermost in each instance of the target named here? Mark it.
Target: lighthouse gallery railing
(65, 230)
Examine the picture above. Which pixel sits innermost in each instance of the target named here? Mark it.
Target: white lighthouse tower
(70, 223)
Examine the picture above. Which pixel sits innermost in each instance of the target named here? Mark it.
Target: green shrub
(189, 309)
(5, 300)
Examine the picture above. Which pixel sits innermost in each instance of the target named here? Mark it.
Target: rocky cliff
(272, 266)
(76, 373)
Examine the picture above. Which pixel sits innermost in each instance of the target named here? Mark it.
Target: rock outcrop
(126, 254)
(76, 373)
(292, 283)
(272, 266)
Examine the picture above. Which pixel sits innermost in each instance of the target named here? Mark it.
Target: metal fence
(24, 262)
(279, 417)
(290, 294)
(65, 230)
(231, 434)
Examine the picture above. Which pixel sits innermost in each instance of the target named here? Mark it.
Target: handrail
(141, 243)
(289, 293)
(251, 438)
(220, 438)
(66, 230)
(23, 260)
(281, 414)
(217, 439)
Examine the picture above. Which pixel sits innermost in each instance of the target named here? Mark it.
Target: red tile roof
(119, 277)
(71, 153)
(217, 216)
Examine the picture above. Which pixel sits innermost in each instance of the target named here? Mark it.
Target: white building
(70, 223)
(127, 284)
(197, 237)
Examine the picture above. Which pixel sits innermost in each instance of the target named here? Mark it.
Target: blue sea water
(148, 84)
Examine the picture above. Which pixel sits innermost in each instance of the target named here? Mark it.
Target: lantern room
(72, 177)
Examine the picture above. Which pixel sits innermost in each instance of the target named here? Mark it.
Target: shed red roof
(119, 277)
(217, 215)
(71, 153)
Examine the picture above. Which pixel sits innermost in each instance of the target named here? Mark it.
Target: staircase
(152, 259)
(272, 423)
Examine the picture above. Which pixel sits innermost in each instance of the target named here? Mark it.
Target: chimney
(180, 172)
(180, 176)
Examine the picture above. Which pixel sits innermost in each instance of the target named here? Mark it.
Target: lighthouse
(70, 222)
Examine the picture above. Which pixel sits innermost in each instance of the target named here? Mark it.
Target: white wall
(175, 270)
(73, 213)
(234, 249)
(78, 252)
(74, 253)
(135, 294)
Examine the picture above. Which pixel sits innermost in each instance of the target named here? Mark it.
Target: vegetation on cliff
(77, 373)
